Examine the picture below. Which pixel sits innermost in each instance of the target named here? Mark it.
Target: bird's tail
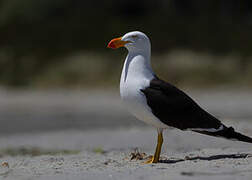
(228, 133)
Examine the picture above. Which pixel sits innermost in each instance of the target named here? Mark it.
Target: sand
(106, 154)
(38, 141)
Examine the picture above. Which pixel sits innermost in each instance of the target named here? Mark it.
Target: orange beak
(116, 43)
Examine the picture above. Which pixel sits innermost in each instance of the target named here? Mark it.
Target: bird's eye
(134, 36)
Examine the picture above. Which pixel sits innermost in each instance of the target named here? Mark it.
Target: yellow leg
(155, 158)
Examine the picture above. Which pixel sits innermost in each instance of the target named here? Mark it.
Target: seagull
(159, 103)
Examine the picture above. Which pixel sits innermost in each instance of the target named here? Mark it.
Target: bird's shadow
(208, 158)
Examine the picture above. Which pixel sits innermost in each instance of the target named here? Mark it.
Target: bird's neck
(137, 65)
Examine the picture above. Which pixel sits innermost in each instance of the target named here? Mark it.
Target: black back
(174, 108)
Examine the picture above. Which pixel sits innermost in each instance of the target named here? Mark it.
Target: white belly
(136, 75)
(136, 103)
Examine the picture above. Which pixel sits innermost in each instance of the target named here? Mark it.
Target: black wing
(174, 108)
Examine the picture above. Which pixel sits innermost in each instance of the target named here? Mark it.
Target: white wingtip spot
(208, 130)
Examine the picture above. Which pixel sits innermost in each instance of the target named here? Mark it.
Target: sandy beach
(76, 135)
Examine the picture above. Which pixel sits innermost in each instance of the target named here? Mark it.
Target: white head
(134, 41)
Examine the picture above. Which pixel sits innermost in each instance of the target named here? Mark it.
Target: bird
(159, 103)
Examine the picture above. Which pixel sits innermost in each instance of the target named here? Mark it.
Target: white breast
(136, 75)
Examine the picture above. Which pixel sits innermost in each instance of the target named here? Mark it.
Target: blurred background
(55, 69)
(62, 43)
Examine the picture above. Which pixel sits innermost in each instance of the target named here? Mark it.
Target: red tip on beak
(116, 43)
(111, 45)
